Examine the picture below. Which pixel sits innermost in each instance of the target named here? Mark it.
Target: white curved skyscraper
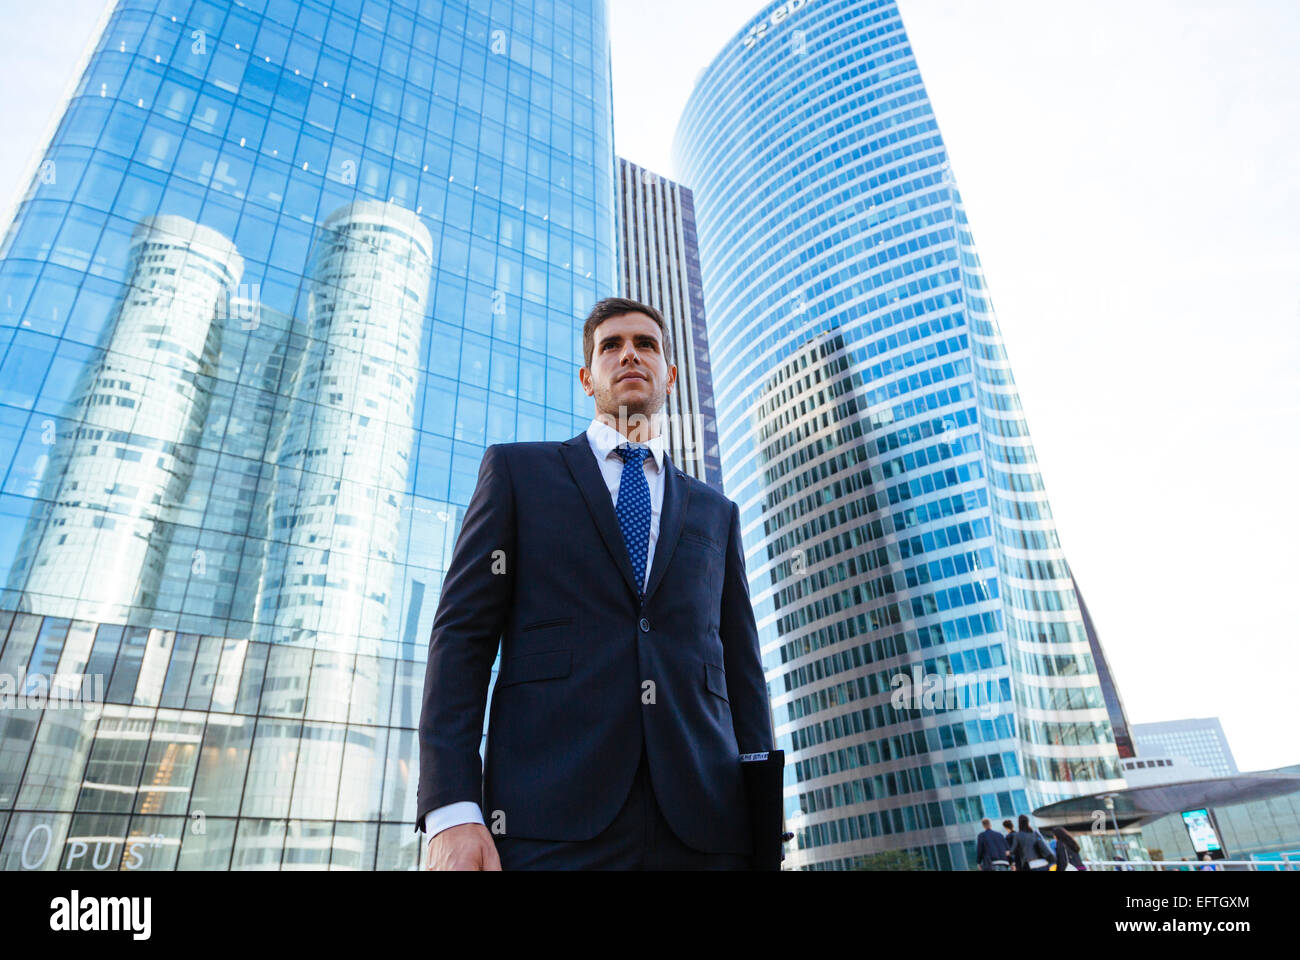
(343, 462)
(342, 469)
(124, 456)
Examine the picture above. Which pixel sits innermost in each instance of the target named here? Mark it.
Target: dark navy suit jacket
(540, 566)
(991, 846)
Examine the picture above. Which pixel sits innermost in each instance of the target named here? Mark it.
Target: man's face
(629, 373)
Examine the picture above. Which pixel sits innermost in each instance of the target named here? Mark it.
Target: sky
(1130, 173)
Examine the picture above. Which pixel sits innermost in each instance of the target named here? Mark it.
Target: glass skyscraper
(282, 273)
(660, 260)
(925, 647)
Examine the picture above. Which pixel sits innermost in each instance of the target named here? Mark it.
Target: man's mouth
(631, 376)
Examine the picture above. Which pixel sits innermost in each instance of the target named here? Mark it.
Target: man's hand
(466, 846)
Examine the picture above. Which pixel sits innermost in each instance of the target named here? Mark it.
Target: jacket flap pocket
(715, 679)
(546, 665)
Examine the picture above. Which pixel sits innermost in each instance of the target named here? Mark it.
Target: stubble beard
(629, 414)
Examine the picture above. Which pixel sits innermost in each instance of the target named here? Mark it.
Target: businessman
(991, 849)
(630, 679)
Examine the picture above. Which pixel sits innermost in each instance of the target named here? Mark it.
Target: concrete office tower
(899, 540)
(121, 460)
(343, 463)
(660, 261)
(1200, 742)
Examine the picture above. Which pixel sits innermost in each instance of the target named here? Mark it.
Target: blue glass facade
(284, 271)
(925, 648)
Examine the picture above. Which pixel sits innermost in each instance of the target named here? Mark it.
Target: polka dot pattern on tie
(634, 508)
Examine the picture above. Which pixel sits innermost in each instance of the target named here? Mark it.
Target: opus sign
(777, 17)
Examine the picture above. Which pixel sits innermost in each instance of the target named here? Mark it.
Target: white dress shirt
(603, 439)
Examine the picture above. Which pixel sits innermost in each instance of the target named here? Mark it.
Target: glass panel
(399, 847)
(152, 843)
(354, 846)
(258, 845)
(223, 760)
(170, 763)
(308, 845)
(116, 760)
(95, 841)
(206, 845)
(34, 841)
(361, 781)
(271, 768)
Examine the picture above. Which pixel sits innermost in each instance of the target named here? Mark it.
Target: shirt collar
(604, 439)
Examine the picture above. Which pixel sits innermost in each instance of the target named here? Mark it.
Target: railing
(1159, 866)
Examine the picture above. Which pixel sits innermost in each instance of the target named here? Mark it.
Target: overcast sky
(1129, 167)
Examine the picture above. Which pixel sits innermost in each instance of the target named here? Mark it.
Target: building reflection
(95, 544)
(288, 744)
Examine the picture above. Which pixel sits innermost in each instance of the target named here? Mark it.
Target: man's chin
(635, 407)
(628, 396)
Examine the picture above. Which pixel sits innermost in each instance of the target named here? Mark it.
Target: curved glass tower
(282, 272)
(926, 653)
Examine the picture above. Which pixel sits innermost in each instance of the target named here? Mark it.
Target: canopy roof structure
(1140, 805)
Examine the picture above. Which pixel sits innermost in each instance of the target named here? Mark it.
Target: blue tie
(634, 509)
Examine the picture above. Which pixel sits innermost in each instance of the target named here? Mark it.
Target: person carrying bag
(1031, 849)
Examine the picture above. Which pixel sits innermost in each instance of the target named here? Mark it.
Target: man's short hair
(613, 307)
(986, 823)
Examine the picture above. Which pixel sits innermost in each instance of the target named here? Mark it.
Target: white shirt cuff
(451, 815)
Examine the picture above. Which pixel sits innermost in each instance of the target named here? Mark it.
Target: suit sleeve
(751, 712)
(476, 596)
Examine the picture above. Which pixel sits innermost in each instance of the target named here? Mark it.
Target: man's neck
(638, 428)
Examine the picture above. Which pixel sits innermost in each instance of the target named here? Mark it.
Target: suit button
(645, 625)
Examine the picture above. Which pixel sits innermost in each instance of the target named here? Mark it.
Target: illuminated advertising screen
(1201, 831)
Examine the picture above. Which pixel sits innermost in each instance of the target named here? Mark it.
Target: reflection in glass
(248, 367)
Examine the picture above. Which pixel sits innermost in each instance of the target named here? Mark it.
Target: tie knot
(631, 453)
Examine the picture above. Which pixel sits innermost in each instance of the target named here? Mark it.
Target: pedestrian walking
(991, 851)
(1010, 835)
(1032, 851)
(1067, 851)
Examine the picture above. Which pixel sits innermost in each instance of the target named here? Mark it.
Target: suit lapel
(586, 473)
(671, 517)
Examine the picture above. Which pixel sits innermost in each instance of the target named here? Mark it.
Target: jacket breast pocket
(544, 665)
(698, 561)
(715, 680)
(691, 536)
(544, 624)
